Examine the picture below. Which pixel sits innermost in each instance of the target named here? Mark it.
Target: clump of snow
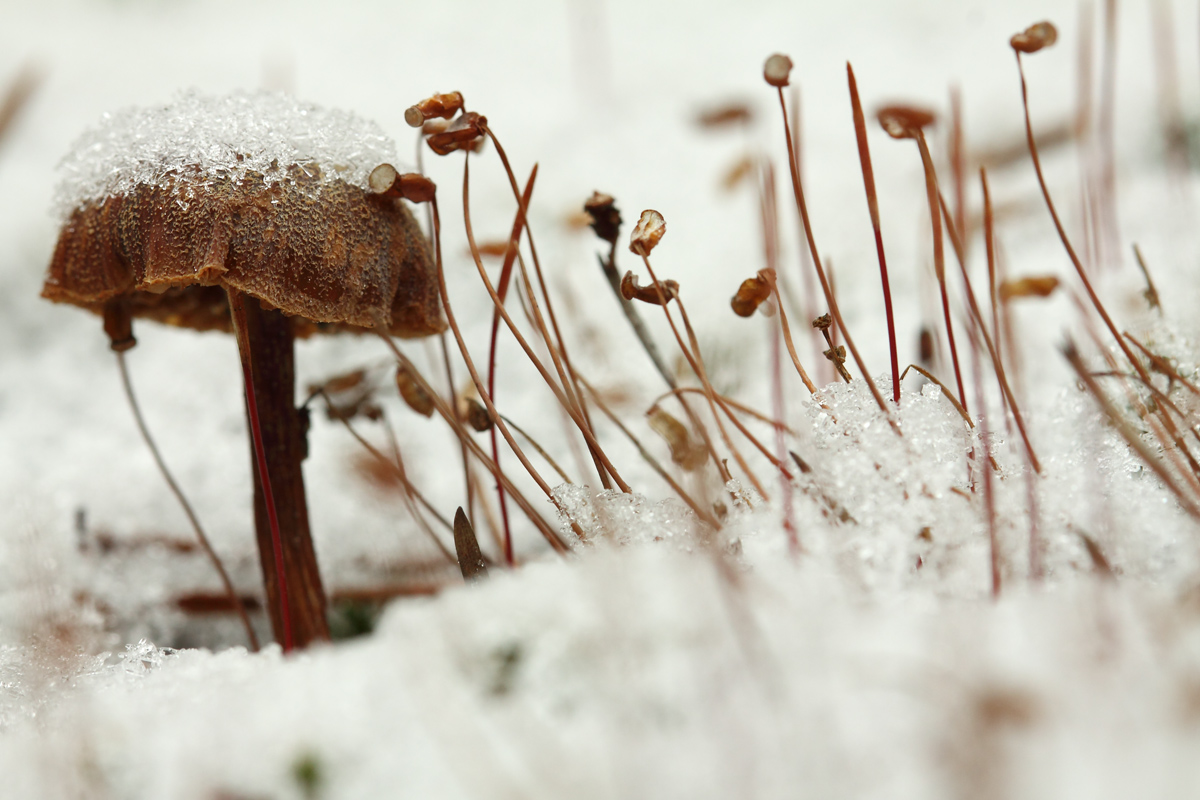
(244, 135)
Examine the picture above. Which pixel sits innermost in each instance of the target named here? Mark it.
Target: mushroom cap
(331, 255)
(170, 206)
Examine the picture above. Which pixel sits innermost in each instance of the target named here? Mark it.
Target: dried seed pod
(460, 135)
(630, 290)
(1034, 286)
(386, 181)
(444, 106)
(823, 322)
(646, 234)
(691, 456)
(721, 116)
(413, 394)
(751, 294)
(777, 70)
(1034, 38)
(903, 122)
(475, 414)
(603, 216)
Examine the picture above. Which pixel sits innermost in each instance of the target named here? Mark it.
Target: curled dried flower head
(603, 216)
(903, 122)
(823, 322)
(414, 395)
(462, 134)
(777, 70)
(444, 106)
(630, 290)
(684, 452)
(646, 234)
(1034, 38)
(751, 294)
(387, 181)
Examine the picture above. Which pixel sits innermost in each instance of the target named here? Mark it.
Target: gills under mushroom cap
(254, 194)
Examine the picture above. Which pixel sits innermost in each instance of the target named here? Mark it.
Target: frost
(623, 518)
(143, 657)
(245, 136)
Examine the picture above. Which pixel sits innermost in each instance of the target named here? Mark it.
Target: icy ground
(652, 661)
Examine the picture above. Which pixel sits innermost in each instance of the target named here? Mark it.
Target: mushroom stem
(295, 597)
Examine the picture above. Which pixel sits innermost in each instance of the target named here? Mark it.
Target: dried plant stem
(452, 399)
(868, 173)
(1151, 292)
(1062, 233)
(562, 361)
(745, 409)
(538, 449)
(962, 412)
(985, 440)
(699, 510)
(939, 256)
(1164, 366)
(997, 364)
(1127, 433)
(798, 190)
(559, 395)
(234, 598)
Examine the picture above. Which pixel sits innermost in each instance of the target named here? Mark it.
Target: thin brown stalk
(939, 256)
(745, 409)
(989, 494)
(997, 364)
(1162, 365)
(202, 538)
(1062, 233)
(798, 190)
(558, 392)
(962, 412)
(1151, 293)
(868, 173)
(1127, 433)
(538, 449)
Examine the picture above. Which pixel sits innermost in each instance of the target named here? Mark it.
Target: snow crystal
(245, 135)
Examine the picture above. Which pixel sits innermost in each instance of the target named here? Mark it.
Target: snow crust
(197, 136)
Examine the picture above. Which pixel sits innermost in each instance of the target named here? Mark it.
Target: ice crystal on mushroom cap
(245, 134)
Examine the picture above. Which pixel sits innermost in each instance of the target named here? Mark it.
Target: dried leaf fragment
(1034, 38)
(466, 546)
(777, 70)
(413, 394)
(688, 455)
(647, 233)
(751, 294)
(903, 122)
(475, 414)
(444, 106)
(630, 290)
(733, 113)
(1034, 286)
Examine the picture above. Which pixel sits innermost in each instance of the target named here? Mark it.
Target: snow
(657, 658)
(196, 137)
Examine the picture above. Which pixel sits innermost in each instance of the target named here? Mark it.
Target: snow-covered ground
(656, 659)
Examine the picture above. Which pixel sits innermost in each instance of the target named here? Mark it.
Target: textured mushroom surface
(304, 238)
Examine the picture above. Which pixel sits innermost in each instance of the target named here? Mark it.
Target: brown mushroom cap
(328, 253)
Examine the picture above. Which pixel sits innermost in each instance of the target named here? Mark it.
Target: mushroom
(253, 216)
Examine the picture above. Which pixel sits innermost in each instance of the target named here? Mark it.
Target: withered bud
(777, 69)
(691, 456)
(1035, 286)
(725, 115)
(439, 105)
(413, 394)
(460, 135)
(823, 322)
(416, 188)
(903, 122)
(630, 290)
(604, 217)
(474, 413)
(646, 234)
(1034, 38)
(751, 294)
